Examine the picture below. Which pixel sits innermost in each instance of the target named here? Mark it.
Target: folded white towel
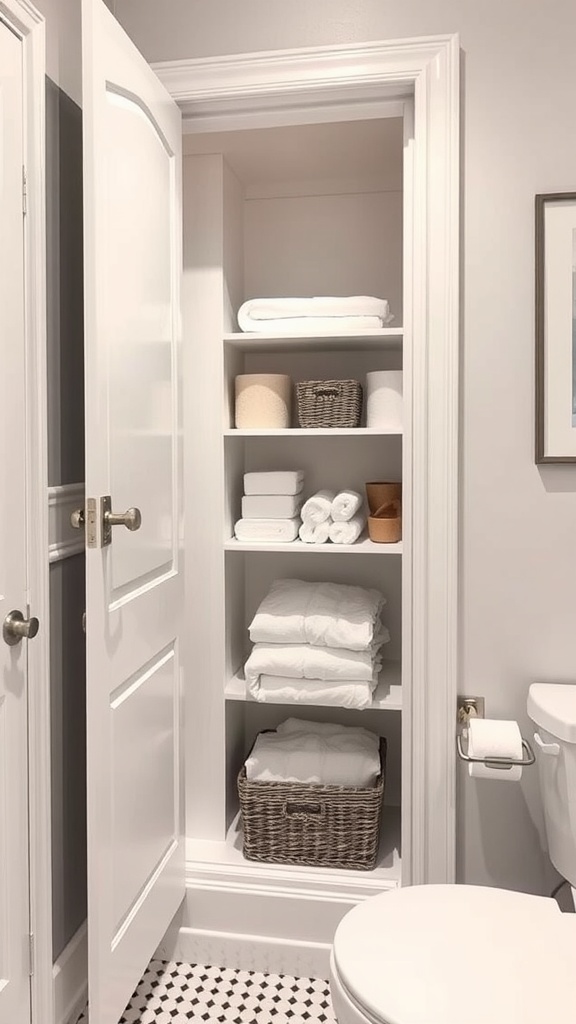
(345, 505)
(348, 533)
(317, 508)
(313, 325)
(267, 530)
(284, 690)
(338, 760)
(301, 661)
(312, 533)
(255, 310)
(281, 482)
(294, 725)
(271, 506)
(322, 614)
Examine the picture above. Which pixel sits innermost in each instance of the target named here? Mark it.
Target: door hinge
(31, 954)
(24, 192)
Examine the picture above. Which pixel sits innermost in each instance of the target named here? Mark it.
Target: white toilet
(462, 954)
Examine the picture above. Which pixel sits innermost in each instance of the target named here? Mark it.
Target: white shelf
(387, 695)
(363, 546)
(226, 856)
(387, 338)
(313, 432)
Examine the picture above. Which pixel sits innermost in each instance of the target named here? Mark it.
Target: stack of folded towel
(316, 643)
(331, 516)
(314, 315)
(318, 753)
(270, 507)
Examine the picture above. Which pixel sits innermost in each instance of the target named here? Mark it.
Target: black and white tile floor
(172, 993)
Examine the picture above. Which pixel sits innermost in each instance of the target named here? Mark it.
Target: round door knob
(16, 628)
(131, 519)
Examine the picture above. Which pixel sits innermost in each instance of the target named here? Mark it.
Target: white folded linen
(267, 530)
(271, 506)
(301, 661)
(312, 325)
(294, 725)
(317, 509)
(328, 760)
(284, 690)
(321, 614)
(348, 533)
(312, 533)
(345, 505)
(252, 312)
(280, 482)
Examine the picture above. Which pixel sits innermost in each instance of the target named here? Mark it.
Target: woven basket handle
(309, 811)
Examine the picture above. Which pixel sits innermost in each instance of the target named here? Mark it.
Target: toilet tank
(552, 707)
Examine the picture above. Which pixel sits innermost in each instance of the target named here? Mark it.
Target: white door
(14, 884)
(133, 227)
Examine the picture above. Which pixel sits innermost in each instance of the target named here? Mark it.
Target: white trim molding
(360, 81)
(65, 541)
(70, 978)
(29, 24)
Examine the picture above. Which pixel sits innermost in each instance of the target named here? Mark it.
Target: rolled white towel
(348, 533)
(317, 509)
(312, 533)
(345, 505)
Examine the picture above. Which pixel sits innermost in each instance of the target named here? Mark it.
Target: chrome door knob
(16, 628)
(131, 519)
(77, 519)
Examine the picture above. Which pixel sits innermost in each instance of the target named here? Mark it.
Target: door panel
(132, 143)
(14, 883)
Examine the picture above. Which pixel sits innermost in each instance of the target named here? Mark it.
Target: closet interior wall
(300, 210)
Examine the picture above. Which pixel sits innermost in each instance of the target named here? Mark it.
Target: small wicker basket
(329, 403)
(321, 826)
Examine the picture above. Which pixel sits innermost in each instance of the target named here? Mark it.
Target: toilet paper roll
(384, 399)
(263, 400)
(494, 738)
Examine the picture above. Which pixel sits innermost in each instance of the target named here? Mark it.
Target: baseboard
(70, 979)
(250, 920)
(247, 952)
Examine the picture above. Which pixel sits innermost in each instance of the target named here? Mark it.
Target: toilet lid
(459, 954)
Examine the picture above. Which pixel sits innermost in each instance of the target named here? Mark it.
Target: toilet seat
(447, 954)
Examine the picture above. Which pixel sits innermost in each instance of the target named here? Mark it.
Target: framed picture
(556, 327)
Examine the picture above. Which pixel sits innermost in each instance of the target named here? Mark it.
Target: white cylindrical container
(494, 738)
(384, 399)
(263, 400)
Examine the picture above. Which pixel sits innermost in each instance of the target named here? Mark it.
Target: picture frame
(555, 307)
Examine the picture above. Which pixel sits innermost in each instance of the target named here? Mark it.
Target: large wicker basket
(323, 826)
(329, 403)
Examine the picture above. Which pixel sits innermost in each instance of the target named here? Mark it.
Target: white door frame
(27, 22)
(329, 83)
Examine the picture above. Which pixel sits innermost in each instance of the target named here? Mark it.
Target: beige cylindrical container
(263, 400)
(384, 493)
(384, 399)
(385, 505)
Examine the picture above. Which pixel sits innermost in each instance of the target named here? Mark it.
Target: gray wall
(518, 599)
(66, 465)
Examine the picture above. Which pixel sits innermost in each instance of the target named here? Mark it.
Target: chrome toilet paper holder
(473, 707)
(498, 762)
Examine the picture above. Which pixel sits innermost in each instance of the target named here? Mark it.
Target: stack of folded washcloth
(328, 515)
(314, 315)
(316, 643)
(318, 753)
(271, 507)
